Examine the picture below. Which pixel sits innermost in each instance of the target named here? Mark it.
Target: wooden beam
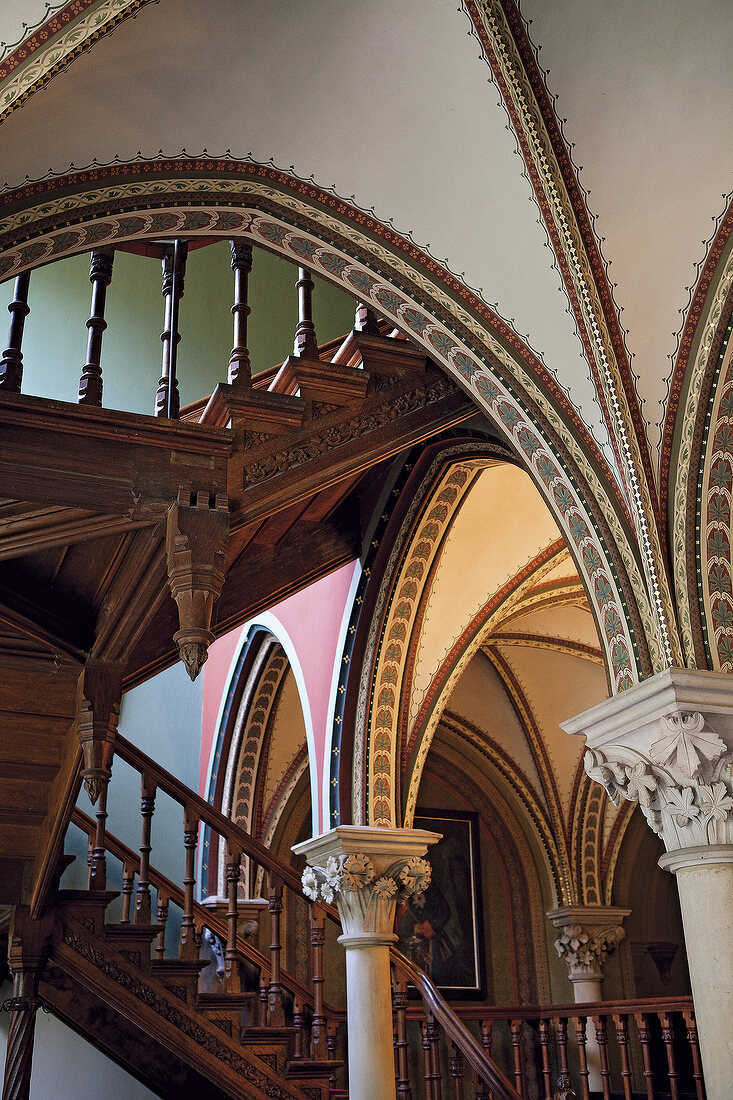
(41, 612)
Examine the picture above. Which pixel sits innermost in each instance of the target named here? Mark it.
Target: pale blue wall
(54, 345)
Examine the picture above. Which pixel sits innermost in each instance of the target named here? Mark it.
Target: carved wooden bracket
(99, 712)
(197, 539)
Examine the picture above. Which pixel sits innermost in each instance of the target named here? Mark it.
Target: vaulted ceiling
(396, 106)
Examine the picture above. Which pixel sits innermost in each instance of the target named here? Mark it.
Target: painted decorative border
(499, 28)
(54, 44)
(542, 641)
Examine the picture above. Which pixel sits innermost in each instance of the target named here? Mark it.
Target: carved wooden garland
(399, 299)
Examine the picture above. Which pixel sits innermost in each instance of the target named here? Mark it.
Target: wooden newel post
(28, 949)
(187, 948)
(231, 955)
(11, 364)
(240, 368)
(100, 276)
(365, 320)
(306, 344)
(167, 399)
(319, 1037)
(147, 809)
(275, 1013)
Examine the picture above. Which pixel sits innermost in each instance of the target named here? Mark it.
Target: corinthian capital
(587, 935)
(668, 745)
(366, 872)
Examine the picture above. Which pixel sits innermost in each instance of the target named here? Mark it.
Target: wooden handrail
(456, 1031)
(206, 917)
(588, 1008)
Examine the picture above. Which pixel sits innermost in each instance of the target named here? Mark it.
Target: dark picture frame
(442, 931)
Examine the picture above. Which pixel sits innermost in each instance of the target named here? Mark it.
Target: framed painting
(442, 929)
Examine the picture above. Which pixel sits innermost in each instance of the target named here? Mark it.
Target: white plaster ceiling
(18, 17)
(389, 103)
(645, 87)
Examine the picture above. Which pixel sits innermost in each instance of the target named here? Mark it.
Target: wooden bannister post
(98, 862)
(11, 364)
(483, 1091)
(600, 1024)
(187, 946)
(691, 1025)
(544, 1033)
(306, 344)
(621, 1024)
(161, 916)
(365, 320)
(299, 1025)
(319, 1037)
(456, 1071)
(668, 1040)
(128, 884)
(642, 1028)
(100, 276)
(167, 399)
(147, 809)
(399, 997)
(516, 1032)
(275, 1013)
(436, 1074)
(27, 952)
(580, 1038)
(240, 368)
(231, 955)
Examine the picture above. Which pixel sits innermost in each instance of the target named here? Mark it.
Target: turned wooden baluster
(399, 995)
(331, 1035)
(319, 1033)
(544, 1032)
(100, 276)
(231, 955)
(668, 1040)
(186, 945)
(621, 1024)
(161, 915)
(90, 849)
(434, 1040)
(427, 1061)
(147, 809)
(516, 1030)
(456, 1071)
(484, 1093)
(264, 988)
(167, 399)
(11, 364)
(240, 368)
(299, 1025)
(645, 1039)
(276, 1015)
(561, 1034)
(306, 344)
(128, 885)
(365, 320)
(601, 1026)
(580, 1036)
(691, 1025)
(98, 861)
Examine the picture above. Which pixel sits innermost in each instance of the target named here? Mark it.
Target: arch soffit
(382, 754)
(696, 453)
(59, 216)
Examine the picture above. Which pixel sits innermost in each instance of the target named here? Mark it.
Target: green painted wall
(54, 345)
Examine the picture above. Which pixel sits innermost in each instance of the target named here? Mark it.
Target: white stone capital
(366, 870)
(588, 934)
(667, 743)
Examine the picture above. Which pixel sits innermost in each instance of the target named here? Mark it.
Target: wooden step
(262, 411)
(227, 1009)
(180, 976)
(314, 380)
(133, 940)
(313, 1074)
(87, 906)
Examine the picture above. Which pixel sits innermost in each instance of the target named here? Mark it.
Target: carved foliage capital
(366, 897)
(586, 937)
(682, 782)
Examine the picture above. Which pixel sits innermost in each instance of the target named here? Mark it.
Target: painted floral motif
(716, 536)
(418, 322)
(332, 263)
(303, 248)
(389, 300)
(271, 232)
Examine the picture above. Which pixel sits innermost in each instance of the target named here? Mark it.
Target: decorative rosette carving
(587, 935)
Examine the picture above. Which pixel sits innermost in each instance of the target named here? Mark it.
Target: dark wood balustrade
(646, 1048)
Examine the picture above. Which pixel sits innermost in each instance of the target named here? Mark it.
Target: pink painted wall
(312, 619)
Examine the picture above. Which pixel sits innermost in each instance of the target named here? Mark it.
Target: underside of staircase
(148, 1015)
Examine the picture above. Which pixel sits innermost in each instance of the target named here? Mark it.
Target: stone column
(365, 871)
(587, 935)
(668, 745)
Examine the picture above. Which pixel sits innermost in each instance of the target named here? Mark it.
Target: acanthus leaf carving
(685, 740)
